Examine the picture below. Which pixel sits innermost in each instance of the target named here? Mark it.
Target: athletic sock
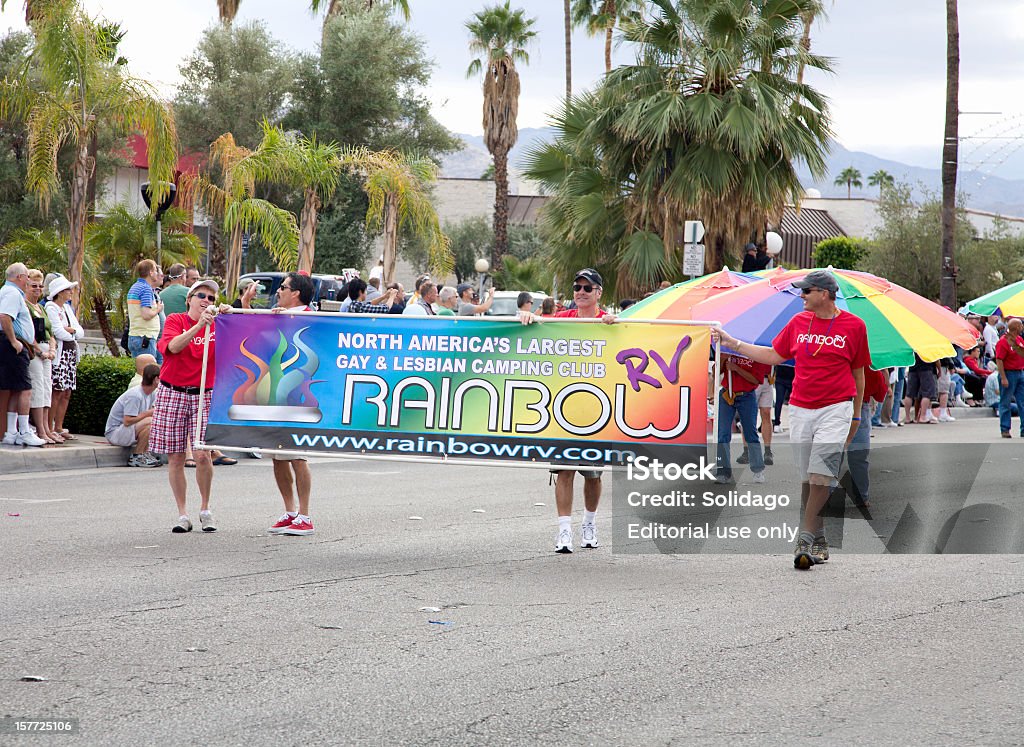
(564, 522)
(12, 422)
(588, 517)
(808, 537)
(23, 424)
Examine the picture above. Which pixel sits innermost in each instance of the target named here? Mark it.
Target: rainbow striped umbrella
(900, 323)
(676, 302)
(1008, 301)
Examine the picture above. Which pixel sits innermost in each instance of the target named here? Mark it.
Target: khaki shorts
(765, 395)
(286, 458)
(819, 439)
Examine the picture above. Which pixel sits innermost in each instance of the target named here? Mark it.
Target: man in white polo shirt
(830, 349)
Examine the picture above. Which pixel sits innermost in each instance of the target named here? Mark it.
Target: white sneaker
(588, 535)
(946, 418)
(10, 439)
(758, 476)
(959, 403)
(29, 439)
(563, 543)
(777, 429)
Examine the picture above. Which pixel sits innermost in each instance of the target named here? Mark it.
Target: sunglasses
(204, 296)
(805, 291)
(286, 288)
(585, 288)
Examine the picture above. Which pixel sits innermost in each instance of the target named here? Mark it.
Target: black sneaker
(744, 458)
(769, 458)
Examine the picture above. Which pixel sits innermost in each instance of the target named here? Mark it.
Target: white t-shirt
(129, 404)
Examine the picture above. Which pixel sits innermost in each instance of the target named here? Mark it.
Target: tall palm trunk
(610, 9)
(390, 236)
(568, 50)
(103, 321)
(947, 288)
(805, 44)
(234, 261)
(500, 208)
(78, 209)
(307, 230)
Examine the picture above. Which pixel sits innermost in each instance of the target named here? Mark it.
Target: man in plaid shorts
(179, 396)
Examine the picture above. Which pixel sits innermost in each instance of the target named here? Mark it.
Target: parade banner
(557, 392)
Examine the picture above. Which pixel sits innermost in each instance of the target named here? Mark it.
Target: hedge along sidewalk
(101, 380)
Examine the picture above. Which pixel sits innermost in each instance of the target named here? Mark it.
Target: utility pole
(947, 287)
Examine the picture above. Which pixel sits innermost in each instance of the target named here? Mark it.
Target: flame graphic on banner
(279, 389)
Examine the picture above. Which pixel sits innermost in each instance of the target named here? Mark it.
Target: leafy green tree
(363, 89)
(851, 178)
(989, 263)
(237, 77)
(532, 274)
(841, 252)
(881, 179)
(79, 85)
(906, 248)
(707, 124)
(228, 9)
(500, 36)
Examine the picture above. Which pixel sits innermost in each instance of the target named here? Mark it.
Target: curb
(89, 452)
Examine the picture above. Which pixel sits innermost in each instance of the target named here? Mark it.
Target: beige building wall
(859, 217)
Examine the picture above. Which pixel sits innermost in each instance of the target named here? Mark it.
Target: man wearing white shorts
(830, 350)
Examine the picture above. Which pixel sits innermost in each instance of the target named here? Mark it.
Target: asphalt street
(463, 627)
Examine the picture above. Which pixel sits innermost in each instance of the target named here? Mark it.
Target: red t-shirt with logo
(876, 385)
(1012, 361)
(574, 313)
(740, 384)
(825, 352)
(186, 367)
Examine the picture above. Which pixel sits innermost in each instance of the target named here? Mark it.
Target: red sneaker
(283, 523)
(298, 527)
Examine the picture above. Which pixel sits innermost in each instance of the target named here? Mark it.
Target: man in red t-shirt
(183, 396)
(586, 293)
(738, 396)
(1010, 365)
(830, 350)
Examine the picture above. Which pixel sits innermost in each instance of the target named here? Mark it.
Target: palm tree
(240, 210)
(707, 124)
(851, 178)
(75, 85)
(601, 17)
(398, 190)
(881, 179)
(299, 162)
(947, 288)
(228, 9)
(500, 35)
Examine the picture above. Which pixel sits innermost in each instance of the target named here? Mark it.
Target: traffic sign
(693, 231)
(693, 259)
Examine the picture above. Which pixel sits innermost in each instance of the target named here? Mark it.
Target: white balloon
(482, 265)
(773, 243)
(812, 194)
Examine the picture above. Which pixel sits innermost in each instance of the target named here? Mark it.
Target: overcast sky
(887, 94)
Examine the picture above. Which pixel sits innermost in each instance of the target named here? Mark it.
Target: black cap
(818, 279)
(750, 247)
(591, 275)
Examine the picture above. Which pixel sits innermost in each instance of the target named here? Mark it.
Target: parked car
(505, 303)
(325, 288)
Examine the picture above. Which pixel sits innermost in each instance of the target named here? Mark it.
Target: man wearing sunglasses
(179, 396)
(586, 293)
(830, 349)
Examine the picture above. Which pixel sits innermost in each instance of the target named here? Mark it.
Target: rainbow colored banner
(548, 393)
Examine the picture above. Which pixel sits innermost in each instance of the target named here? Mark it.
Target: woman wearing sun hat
(67, 332)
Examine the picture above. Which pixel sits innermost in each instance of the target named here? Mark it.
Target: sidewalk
(974, 425)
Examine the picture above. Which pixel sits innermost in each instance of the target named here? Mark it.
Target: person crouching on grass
(179, 395)
(830, 350)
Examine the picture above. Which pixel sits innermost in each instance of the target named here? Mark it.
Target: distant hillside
(988, 193)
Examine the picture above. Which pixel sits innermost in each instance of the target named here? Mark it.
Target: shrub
(841, 252)
(101, 380)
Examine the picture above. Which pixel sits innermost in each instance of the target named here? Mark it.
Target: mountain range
(983, 192)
